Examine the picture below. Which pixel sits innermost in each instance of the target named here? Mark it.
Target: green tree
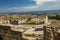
(58, 17)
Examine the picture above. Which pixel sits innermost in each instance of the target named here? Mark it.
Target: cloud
(40, 5)
(39, 2)
(21, 9)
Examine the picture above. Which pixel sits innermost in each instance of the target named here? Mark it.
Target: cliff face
(7, 34)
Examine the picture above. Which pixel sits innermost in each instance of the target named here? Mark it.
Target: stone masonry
(7, 34)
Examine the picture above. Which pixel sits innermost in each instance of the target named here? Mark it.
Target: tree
(52, 17)
(58, 17)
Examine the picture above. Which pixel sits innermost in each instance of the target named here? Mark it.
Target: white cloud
(40, 5)
(21, 9)
(39, 2)
(30, 7)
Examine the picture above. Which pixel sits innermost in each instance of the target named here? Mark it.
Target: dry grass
(55, 23)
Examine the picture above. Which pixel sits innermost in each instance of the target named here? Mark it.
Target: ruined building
(7, 34)
(43, 19)
(51, 33)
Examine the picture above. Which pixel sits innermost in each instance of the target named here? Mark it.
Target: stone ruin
(7, 34)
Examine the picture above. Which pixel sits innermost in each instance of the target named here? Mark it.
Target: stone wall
(7, 34)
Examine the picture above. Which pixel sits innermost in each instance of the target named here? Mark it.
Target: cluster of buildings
(28, 33)
(40, 20)
(3, 20)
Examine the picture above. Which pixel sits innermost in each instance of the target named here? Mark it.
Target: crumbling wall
(7, 34)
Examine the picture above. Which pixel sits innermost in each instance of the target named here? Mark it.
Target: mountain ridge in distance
(34, 12)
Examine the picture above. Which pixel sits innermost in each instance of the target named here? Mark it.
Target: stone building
(7, 34)
(2, 21)
(41, 19)
(33, 33)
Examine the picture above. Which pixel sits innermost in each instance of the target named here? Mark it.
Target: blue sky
(28, 5)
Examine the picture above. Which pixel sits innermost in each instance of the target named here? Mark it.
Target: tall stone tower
(46, 19)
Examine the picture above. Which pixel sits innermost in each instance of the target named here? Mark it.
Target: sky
(28, 5)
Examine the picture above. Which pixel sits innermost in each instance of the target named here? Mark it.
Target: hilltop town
(23, 19)
(29, 27)
(29, 19)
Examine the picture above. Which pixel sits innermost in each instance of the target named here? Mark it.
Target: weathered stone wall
(7, 34)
